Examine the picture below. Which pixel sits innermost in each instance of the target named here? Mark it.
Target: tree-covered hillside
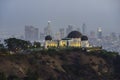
(60, 64)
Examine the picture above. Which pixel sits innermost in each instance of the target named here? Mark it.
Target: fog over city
(15, 14)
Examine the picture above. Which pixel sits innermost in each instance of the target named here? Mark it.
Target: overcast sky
(15, 14)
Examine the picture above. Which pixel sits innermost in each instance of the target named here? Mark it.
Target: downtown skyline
(15, 14)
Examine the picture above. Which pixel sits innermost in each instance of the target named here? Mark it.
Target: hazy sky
(15, 14)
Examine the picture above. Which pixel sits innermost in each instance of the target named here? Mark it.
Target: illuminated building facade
(74, 39)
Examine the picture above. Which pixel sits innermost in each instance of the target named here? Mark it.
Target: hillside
(63, 64)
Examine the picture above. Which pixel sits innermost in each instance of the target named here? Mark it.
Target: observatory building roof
(74, 34)
(84, 38)
(48, 37)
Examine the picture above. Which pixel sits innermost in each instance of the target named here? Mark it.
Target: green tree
(13, 77)
(2, 76)
(1, 46)
(14, 44)
(37, 45)
(32, 75)
(3, 49)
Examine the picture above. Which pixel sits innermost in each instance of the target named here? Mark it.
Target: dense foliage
(14, 44)
(56, 63)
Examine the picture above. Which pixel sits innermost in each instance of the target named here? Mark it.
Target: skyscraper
(92, 34)
(42, 36)
(31, 33)
(36, 32)
(57, 36)
(119, 37)
(99, 31)
(69, 29)
(62, 32)
(113, 36)
(28, 32)
(84, 31)
(78, 29)
(47, 30)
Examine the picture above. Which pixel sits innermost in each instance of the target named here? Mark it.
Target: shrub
(13, 77)
(52, 52)
(31, 75)
(2, 76)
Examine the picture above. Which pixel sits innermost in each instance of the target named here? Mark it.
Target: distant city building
(28, 32)
(69, 29)
(78, 29)
(113, 36)
(57, 36)
(92, 34)
(47, 30)
(19, 36)
(99, 33)
(36, 32)
(119, 37)
(42, 36)
(108, 38)
(62, 33)
(31, 33)
(84, 29)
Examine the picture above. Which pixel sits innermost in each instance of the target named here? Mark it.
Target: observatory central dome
(74, 34)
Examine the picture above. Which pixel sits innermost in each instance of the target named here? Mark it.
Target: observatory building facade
(74, 39)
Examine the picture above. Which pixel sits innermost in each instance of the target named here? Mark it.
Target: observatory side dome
(48, 37)
(84, 38)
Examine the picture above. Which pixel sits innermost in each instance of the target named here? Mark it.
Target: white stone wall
(85, 43)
